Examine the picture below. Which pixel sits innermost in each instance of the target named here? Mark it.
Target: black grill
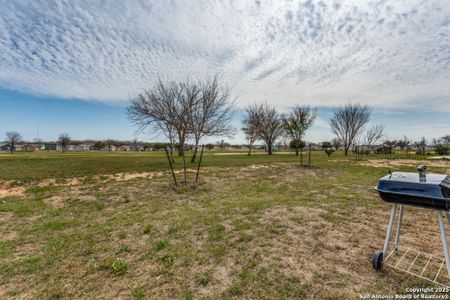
(430, 191)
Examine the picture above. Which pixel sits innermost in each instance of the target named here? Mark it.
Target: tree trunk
(249, 149)
(301, 156)
(345, 151)
(181, 145)
(171, 152)
(194, 155)
(309, 154)
(296, 150)
(269, 148)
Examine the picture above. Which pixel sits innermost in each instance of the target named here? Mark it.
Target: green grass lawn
(259, 227)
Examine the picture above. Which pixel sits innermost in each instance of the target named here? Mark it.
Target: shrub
(441, 150)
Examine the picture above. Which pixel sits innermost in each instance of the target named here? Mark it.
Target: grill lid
(414, 184)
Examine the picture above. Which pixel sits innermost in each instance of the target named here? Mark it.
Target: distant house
(6, 147)
(19, 147)
(124, 148)
(50, 146)
(29, 147)
(113, 148)
(68, 148)
(77, 148)
(135, 148)
(83, 147)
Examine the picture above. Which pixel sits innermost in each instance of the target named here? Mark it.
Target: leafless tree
(64, 141)
(372, 136)
(404, 143)
(270, 125)
(336, 143)
(170, 133)
(250, 126)
(211, 112)
(421, 145)
(13, 138)
(110, 143)
(446, 139)
(348, 121)
(297, 121)
(166, 106)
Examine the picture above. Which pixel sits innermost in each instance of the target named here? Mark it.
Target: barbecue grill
(417, 189)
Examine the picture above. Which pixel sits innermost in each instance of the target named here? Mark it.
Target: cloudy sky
(73, 65)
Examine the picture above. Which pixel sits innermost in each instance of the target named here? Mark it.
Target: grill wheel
(377, 260)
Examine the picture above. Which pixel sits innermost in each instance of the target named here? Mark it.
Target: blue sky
(72, 66)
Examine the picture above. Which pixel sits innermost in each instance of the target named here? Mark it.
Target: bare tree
(373, 135)
(250, 126)
(170, 133)
(348, 121)
(446, 139)
(403, 144)
(297, 122)
(109, 144)
(336, 143)
(13, 138)
(166, 106)
(211, 112)
(64, 141)
(421, 145)
(270, 125)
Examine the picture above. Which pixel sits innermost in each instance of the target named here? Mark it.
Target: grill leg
(399, 224)
(389, 231)
(444, 241)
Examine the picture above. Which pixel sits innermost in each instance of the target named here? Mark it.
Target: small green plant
(119, 266)
(203, 280)
(235, 290)
(147, 229)
(161, 245)
(138, 293)
(167, 260)
(122, 248)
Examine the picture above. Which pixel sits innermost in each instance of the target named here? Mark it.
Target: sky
(73, 66)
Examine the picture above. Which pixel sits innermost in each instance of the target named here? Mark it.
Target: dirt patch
(6, 216)
(8, 191)
(299, 241)
(87, 198)
(55, 201)
(8, 235)
(383, 163)
(23, 251)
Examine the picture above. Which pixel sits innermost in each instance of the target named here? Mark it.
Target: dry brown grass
(261, 231)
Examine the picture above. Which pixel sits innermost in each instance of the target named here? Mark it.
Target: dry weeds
(274, 225)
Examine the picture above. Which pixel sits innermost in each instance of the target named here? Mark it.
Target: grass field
(100, 225)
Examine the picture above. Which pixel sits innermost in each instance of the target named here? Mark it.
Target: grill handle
(422, 173)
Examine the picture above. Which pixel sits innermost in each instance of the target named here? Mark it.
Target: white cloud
(386, 54)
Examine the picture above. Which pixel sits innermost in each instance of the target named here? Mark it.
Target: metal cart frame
(381, 257)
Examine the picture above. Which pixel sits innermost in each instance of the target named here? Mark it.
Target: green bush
(441, 150)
